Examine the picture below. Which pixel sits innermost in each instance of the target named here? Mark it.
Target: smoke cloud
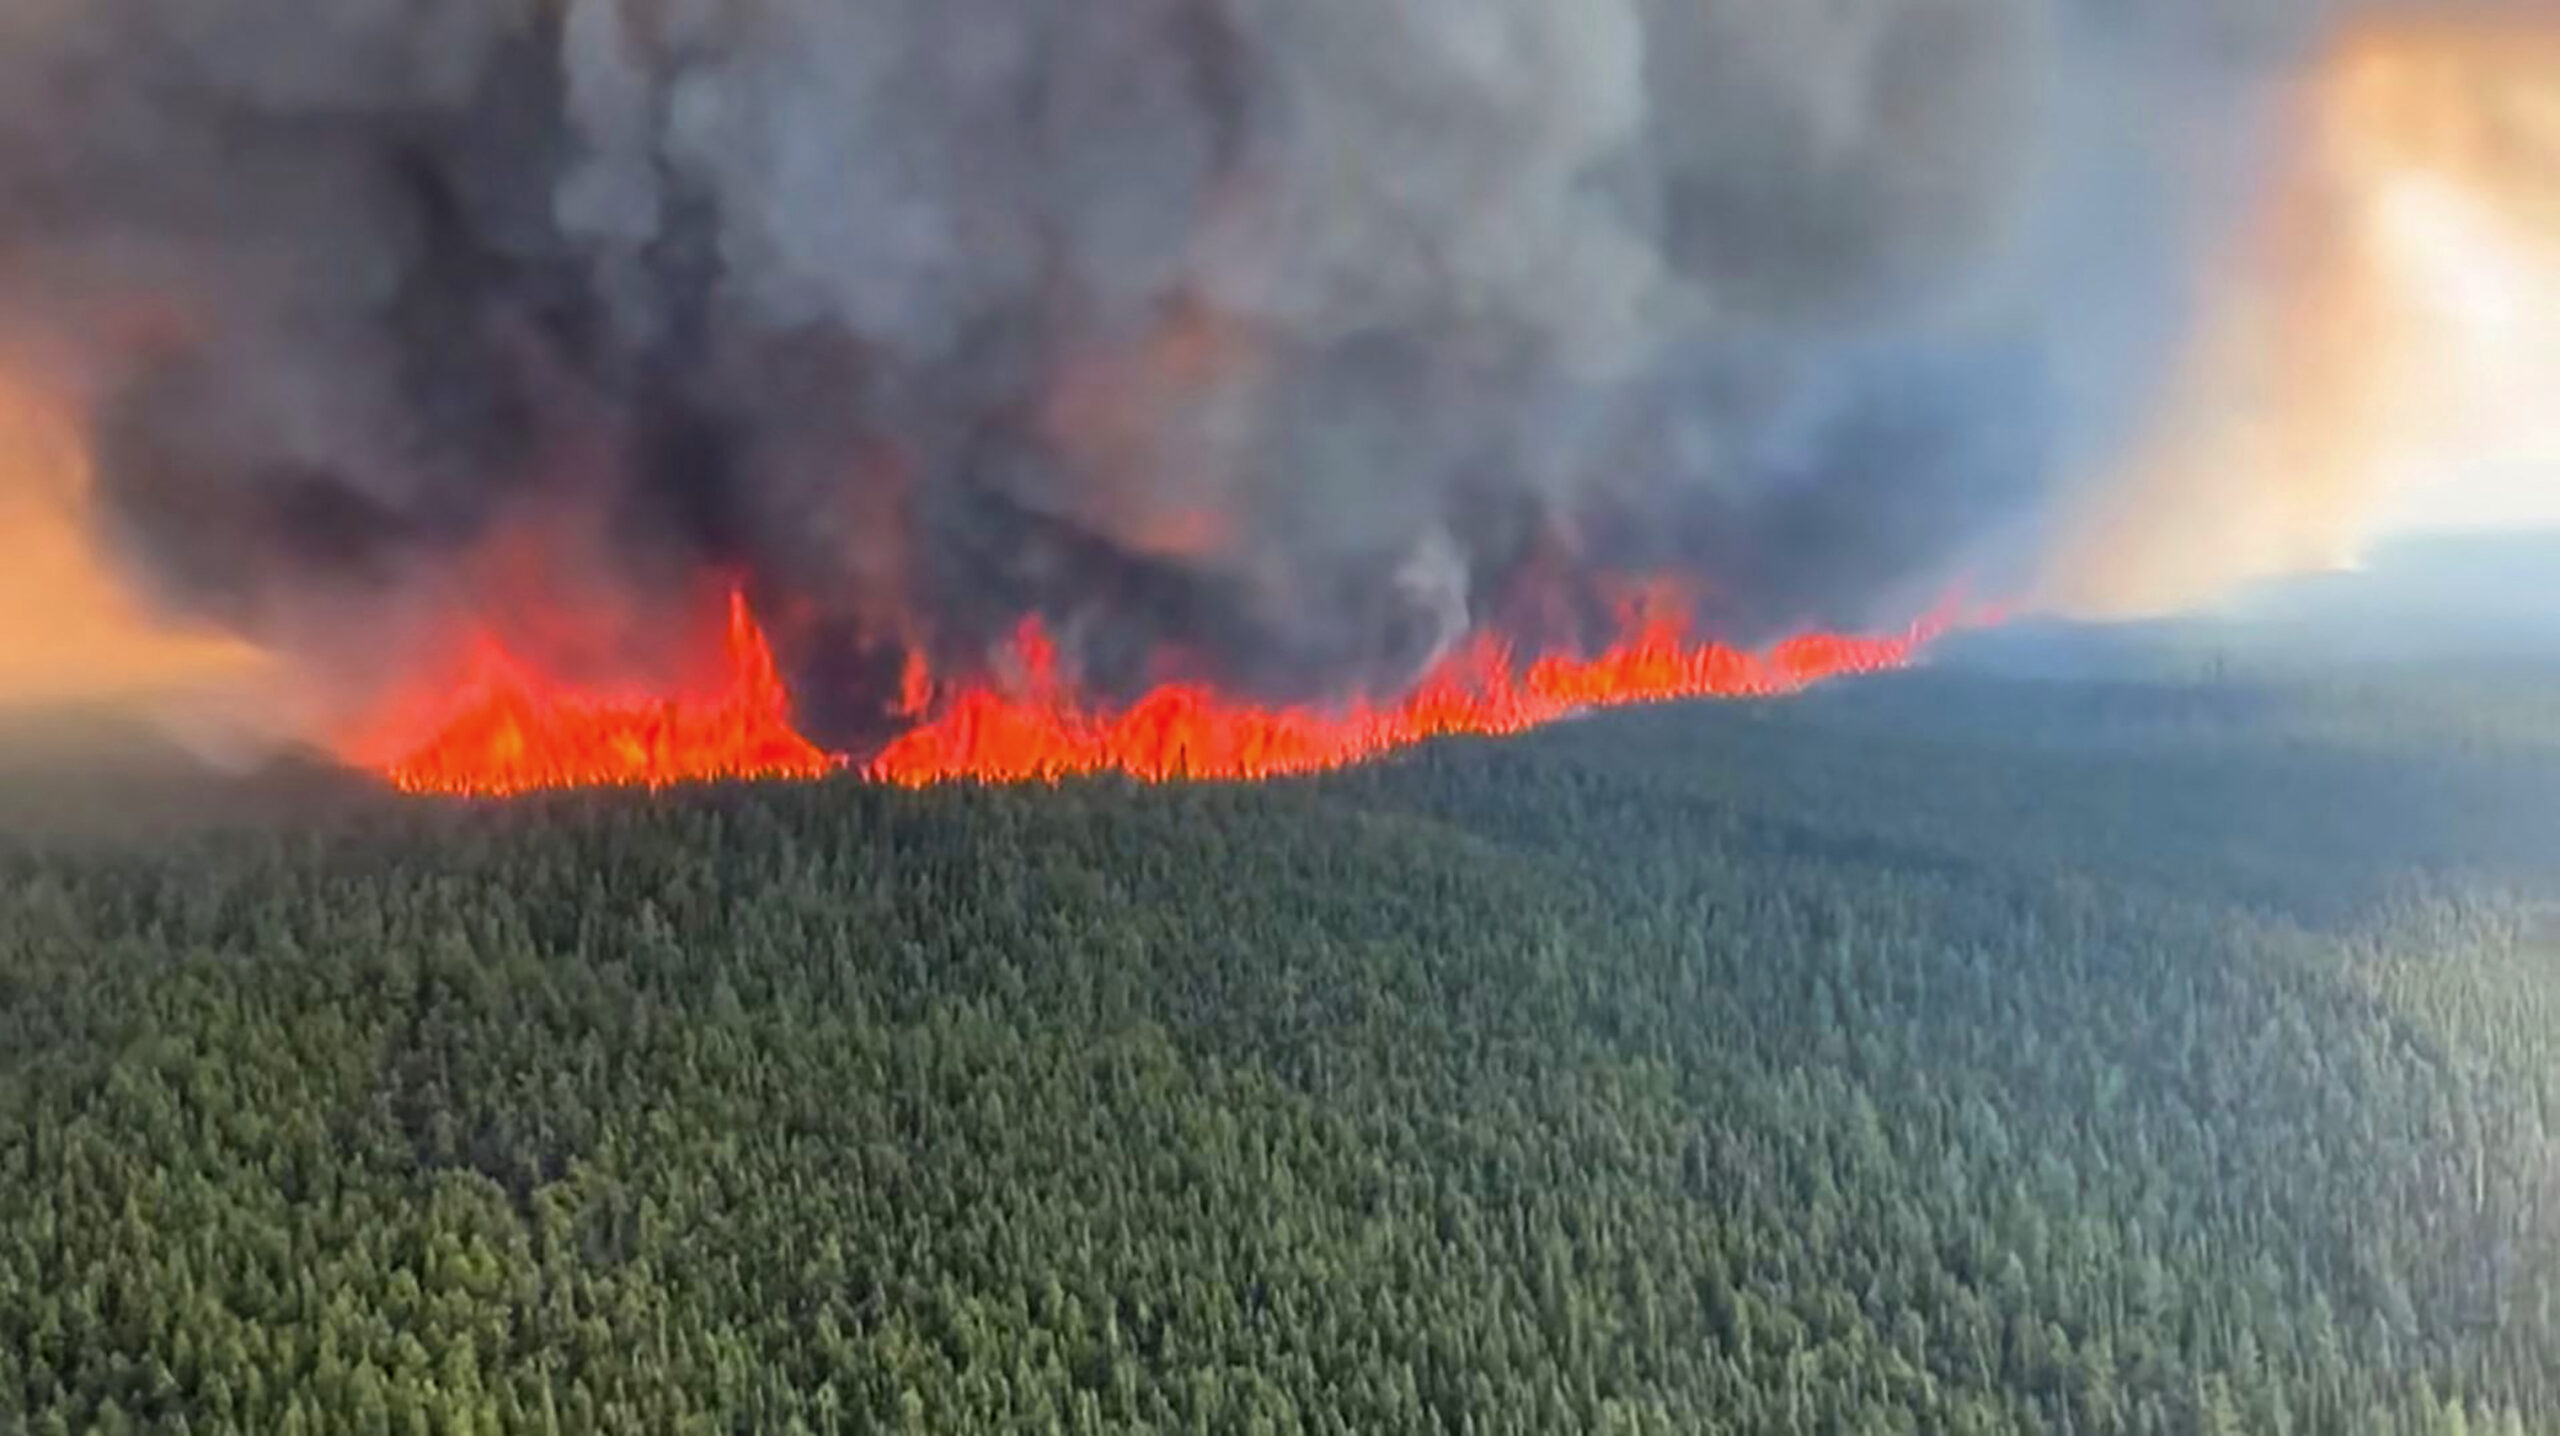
(68, 631)
(2380, 346)
(1292, 338)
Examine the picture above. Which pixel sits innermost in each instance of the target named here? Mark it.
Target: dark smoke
(1286, 337)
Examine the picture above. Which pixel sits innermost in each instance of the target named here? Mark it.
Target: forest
(1964, 1051)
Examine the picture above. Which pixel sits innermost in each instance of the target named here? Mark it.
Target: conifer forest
(1961, 1051)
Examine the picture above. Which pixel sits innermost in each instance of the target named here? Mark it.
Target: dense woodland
(1953, 1052)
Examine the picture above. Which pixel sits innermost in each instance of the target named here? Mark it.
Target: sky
(2379, 356)
(2477, 242)
(2513, 497)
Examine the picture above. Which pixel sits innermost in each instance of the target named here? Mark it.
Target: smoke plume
(2381, 343)
(1282, 340)
(68, 631)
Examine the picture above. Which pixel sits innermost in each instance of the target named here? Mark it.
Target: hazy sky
(2499, 497)
(2481, 253)
(68, 628)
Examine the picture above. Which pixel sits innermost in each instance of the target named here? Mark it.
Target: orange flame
(512, 731)
(1042, 731)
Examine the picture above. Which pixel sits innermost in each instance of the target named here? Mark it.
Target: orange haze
(2384, 350)
(69, 632)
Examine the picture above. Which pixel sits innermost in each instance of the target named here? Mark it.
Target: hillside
(1960, 1052)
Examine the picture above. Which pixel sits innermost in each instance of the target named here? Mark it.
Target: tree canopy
(1942, 1054)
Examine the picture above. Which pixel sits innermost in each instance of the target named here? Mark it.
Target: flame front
(1041, 730)
(513, 731)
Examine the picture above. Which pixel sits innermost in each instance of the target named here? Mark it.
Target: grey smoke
(927, 314)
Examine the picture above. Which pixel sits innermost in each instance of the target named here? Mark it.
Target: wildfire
(1188, 731)
(514, 731)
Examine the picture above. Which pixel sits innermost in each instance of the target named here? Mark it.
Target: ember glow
(512, 731)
